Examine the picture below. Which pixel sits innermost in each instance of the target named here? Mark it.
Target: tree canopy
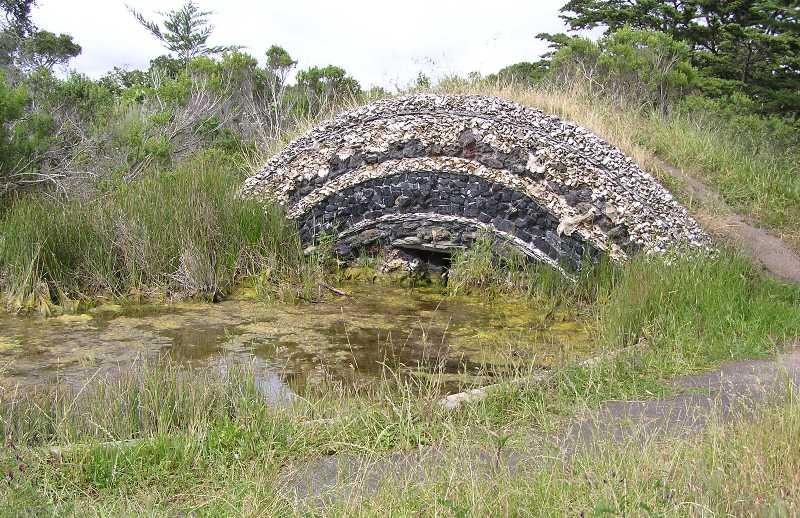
(749, 46)
(24, 46)
(45, 49)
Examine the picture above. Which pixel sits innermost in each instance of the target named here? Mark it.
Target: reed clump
(177, 233)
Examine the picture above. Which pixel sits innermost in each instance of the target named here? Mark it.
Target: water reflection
(349, 340)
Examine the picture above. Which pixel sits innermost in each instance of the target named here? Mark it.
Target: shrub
(643, 68)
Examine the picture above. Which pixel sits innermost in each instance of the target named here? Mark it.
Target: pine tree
(185, 31)
(751, 46)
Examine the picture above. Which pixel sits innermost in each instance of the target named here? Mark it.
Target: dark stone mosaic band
(447, 194)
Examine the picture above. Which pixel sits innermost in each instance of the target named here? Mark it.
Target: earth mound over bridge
(430, 172)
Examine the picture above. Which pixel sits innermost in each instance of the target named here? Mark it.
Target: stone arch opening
(430, 172)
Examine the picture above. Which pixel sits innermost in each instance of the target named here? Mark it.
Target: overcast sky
(377, 42)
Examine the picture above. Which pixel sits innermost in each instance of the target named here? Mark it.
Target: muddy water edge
(352, 339)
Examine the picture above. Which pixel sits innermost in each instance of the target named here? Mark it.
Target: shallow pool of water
(348, 339)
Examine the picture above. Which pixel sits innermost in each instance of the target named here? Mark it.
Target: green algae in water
(417, 330)
(8, 343)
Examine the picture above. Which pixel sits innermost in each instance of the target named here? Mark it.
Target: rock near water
(431, 172)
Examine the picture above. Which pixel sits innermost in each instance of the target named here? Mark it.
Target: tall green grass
(196, 430)
(691, 310)
(207, 432)
(743, 467)
(175, 233)
(491, 268)
(747, 467)
(699, 309)
(755, 175)
(146, 399)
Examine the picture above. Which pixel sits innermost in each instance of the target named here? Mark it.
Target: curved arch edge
(533, 189)
(431, 217)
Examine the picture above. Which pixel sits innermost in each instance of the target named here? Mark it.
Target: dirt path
(761, 246)
(736, 389)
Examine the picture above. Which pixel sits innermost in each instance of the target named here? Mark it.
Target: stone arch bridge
(430, 172)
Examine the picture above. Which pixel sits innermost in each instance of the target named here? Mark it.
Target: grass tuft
(173, 234)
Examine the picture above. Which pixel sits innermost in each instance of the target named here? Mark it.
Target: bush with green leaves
(641, 68)
(23, 133)
(318, 86)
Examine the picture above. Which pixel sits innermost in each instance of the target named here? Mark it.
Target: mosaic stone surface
(431, 172)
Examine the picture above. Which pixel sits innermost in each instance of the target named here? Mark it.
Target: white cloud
(377, 42)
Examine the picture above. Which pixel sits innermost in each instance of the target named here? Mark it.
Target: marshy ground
(174, 407)
(346, 339)
(195, 421)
